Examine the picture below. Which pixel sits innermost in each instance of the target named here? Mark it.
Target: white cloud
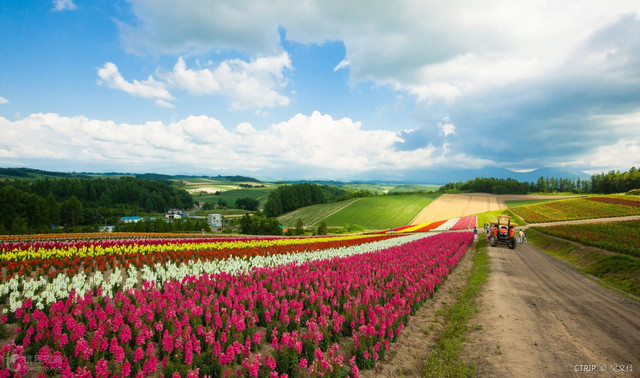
(343, 64)
(433, 49)
(252, 84)
(149, 88)
(3, 100)
(60, 5)
(164, 104)
(203, 143)
(447, 128)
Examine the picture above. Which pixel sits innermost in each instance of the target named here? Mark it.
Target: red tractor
(502, 232)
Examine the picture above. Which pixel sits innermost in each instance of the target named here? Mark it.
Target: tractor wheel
(512, 243)
(493, 241)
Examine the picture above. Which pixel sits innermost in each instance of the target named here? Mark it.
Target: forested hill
(38, 204)
(604, 183)
(36, 173)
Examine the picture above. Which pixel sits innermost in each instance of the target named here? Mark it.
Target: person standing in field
(520, 236)
(475, 233)
(524, 236)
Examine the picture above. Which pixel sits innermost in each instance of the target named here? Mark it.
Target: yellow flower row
(98, 250)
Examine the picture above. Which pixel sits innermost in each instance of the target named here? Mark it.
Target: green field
(230, 196)
(312, 215)
(381, 212)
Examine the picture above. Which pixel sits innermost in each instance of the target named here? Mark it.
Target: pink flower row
(465, 223)
(224, 324)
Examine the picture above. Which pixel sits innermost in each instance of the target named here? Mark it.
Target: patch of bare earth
(449, 206)
(541, 318)
(407, 356)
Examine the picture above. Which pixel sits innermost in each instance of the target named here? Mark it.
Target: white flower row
(43, 292)
(447, 225)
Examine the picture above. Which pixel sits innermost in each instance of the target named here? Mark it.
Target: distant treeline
(160, 225)
(36, 173)
(603, 183)
(291, 197)
(36, 205)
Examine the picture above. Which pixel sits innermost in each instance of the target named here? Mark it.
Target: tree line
(36, 205)
(602, 183)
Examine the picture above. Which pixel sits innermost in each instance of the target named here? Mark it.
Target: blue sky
(319, 89)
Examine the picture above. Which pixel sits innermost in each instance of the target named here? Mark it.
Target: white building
(174, 214)
(214, 220)
(135, 219)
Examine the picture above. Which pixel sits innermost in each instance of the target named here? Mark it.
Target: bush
(322, 228)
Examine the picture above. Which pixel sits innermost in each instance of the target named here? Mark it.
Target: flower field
(200, 306)
(621, 237)
(581, 208)
(461, 223)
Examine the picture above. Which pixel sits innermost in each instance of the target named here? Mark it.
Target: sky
(319, 89)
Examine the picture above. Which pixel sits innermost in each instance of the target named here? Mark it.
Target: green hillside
(382, 212)
(312, 215)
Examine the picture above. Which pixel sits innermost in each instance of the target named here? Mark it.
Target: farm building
(215, 220)
(135, 219)
(174, 214)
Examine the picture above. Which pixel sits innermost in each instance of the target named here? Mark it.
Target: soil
(542, 318)
(457, 205)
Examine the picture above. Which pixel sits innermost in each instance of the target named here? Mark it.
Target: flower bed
(573, 209)
(621, 237)
(465, 223)
(330, 315)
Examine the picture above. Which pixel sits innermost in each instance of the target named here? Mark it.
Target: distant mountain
(24, 173)
(443, 176)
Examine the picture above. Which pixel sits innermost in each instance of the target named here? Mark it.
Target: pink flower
(303, 363)
(126, 369)
(150, 366)
(138, 354)
(102, 368)
(167, 342)
(125, 334)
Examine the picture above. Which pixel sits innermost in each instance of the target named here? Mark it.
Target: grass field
(492, 216)
(312, 215)
(381, 212)
(230, 196)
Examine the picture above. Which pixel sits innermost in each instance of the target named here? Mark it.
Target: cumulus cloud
(432, 49)
(3, 100)
(150, 88)
(60, 5)
(204, 143)
(446, 127)
(252, 84)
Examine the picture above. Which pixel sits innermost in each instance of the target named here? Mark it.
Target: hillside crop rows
(582, 208)
(314, 214)
(382, 212)
(621, 237)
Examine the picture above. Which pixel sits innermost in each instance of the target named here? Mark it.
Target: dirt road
(541, 318)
